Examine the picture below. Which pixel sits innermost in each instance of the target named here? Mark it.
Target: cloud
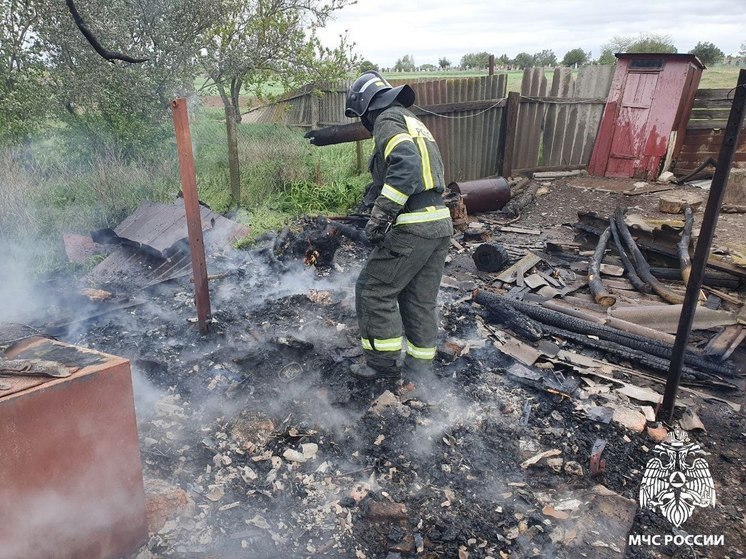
(386, 30)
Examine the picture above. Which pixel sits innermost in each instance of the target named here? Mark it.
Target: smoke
(146, 394)
(68, 521)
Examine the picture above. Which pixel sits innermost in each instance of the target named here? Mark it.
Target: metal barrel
(483, 195)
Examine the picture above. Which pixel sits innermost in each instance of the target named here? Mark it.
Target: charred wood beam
(685, 260)
(629, 268)
(713, 278)
(351, 232)
(709, 161)
(546, 316)
(658, 364)
(641, 265)
(660, 242)
(91, 38)
(597, 288)
(505, 315)
(516, 205)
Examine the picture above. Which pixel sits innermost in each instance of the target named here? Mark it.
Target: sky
(386, 30)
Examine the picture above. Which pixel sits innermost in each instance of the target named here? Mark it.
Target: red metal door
(630, 130)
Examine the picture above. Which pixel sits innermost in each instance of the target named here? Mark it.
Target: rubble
(262, 443)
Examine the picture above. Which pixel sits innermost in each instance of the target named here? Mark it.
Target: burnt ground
(274, 451)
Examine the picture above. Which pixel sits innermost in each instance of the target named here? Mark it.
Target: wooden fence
(704, 131)
(463, 114)
(481, 133)
(557, 123)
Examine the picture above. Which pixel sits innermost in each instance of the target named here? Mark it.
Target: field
(717, 77)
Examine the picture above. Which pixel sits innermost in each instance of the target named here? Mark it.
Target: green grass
(719, 77)
(46, 192)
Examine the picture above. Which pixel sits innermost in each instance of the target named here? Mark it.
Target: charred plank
(641, 265)
(547, 317)
(597, 288)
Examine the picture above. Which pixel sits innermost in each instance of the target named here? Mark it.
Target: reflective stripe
(420, 132)
(427, 172)
(395, 141)
(394, 195)
(372, 81)
(390, 344)
(420, 352)
(430, 213)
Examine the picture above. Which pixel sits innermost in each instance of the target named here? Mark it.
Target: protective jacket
(397, 289)
(408, 166)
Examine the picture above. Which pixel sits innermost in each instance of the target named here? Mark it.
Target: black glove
(382, 217)
(372, 191)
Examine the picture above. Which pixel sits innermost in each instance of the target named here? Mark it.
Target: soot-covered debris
(257, 442)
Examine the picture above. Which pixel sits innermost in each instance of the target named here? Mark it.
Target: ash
(256, 441)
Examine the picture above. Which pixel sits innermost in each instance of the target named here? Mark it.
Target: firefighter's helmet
(371, 91)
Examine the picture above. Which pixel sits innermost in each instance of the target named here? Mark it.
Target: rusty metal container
(70, 473)
(483, 195)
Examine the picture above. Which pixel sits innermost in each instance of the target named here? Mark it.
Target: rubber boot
(417, 368)
(366, 372)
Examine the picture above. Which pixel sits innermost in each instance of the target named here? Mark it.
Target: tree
(645, 42)
(444, 63)
(23, 89)
(618, 43)
(112, 105)
(574, 58)
(475, 60)
(607, 56)
(503, 61)
(367, 66)
(652, 42)
(405, 64)
(256, 42)
(545, 58)
(708, 53)
(428, 68)
(524, 60)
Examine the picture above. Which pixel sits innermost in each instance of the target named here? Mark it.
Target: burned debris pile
(530, 440)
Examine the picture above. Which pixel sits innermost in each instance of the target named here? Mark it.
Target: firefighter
(410, 229)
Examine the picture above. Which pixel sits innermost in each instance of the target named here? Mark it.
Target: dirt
(558, 209)
(277, 448)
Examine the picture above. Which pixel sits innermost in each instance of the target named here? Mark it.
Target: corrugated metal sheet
(467, 138)
(557, 123)
(161, 230)
(154, 245)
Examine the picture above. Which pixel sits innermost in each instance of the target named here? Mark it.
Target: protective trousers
(398, 288)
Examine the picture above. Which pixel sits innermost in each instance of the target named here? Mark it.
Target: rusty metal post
(191, 206)
(704, 241)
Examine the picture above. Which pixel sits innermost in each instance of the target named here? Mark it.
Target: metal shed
(644, 120)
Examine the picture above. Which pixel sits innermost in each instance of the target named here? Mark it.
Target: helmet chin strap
(368, 119)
